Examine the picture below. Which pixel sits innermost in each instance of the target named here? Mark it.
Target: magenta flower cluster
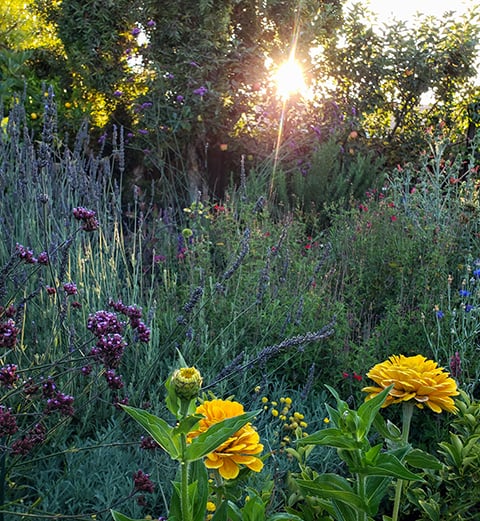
(8, 334)
(25, 444)
(8, 376)
(142, 482)
(28, 256)
(8, 423)
(89, 221)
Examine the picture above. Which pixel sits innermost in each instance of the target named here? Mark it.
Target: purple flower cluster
(8, 423)
(109, 349)
(8, 334)
(25, 254)
(134, 314)
(61, 403)
(26, 443)
(89, 221)
(201, 91)
(114, 381)
(148, 443)
(456, 365)
(70, 288)
(142, 482)
(8, 375)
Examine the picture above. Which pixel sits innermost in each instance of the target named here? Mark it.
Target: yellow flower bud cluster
(293, 421)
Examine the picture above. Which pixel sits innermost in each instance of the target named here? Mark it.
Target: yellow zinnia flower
(240, 449)
(414, 377)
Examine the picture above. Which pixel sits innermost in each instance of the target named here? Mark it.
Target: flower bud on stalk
(187, 382)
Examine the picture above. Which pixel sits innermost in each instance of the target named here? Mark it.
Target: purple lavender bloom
(180, 98)
(201, 91)
(136, 31)
(151, 23)
(142, 131)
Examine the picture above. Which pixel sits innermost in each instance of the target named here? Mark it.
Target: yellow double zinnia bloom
(414, 378)
(240, 449)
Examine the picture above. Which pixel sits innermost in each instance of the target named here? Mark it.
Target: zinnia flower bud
(187, 382)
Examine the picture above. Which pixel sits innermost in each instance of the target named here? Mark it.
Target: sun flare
(289, 79)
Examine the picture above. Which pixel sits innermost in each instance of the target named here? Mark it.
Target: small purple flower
(147, 105)
(136, 31)
(118, 93)
(102, 139)
(201, 91)
(103, 322)
(194, 64)
(25, 444)
(440, 314)
(114, 381)
(25, 254)
(476, 273)
(151, 23)
(8, 334)
(180, 98)
(8, 375)
(61, 403)
(143, 131)
(70, 288)
(464, 293)
(8, 423)
(468, 308)
(43, 258)
(142, 482)
(169, 76)
(455, 365)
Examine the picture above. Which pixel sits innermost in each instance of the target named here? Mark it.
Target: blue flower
(464, 293)
(468, 308)
(440, 314)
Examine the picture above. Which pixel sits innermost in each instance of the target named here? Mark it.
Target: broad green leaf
(158, 429)
(431, 508)
(254, 509)
(217, 434)
(372, 454)
(375, 490)
(387, 430)
(221, 514)
(198, 474)
(284, 517)
(389, 465)
(331, 437)
(423, 460)
(331, 486)
(187, 424)
(121, 517)
(369, 409)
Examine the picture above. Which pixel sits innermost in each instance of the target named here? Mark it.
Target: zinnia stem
(184, 500)
(407, 413)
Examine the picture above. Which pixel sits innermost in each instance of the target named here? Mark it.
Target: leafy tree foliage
(191, 81)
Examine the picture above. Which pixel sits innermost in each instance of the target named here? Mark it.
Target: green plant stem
(186, 514)
(407, 413)
(361, 481)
